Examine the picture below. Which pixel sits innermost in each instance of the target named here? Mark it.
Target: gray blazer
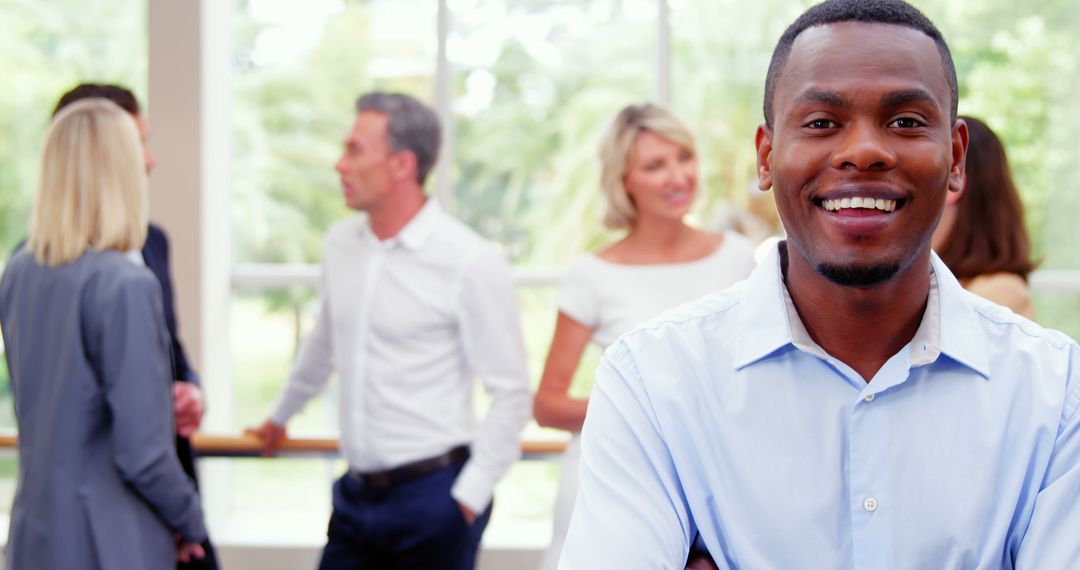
(99, 483)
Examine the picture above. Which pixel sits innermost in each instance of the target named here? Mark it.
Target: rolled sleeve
(495, 351)
(311, 372)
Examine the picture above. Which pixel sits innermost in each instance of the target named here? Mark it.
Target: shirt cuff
(473, 488)
(283, 412)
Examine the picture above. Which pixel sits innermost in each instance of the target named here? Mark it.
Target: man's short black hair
(122, 96)
(895, 12)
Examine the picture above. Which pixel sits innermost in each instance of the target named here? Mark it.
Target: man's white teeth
(859, 202)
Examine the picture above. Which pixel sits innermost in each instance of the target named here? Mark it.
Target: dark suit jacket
(156, 254)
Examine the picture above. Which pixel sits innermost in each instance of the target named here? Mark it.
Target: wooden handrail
(217, 445)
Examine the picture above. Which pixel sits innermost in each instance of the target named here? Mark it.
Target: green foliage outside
(49, 47)
(524, 161)
(533, 84)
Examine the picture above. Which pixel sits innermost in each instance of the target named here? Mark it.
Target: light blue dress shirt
(724, 419)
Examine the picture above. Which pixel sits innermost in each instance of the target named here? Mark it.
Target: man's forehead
(368, 125)
(372, 119)
(861, 54)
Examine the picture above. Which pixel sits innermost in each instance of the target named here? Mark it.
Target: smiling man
(849, 405)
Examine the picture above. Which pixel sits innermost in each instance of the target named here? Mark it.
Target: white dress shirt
(725, 420)
(408, 323)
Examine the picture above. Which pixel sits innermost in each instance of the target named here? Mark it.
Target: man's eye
(905, 123)
(821, 124)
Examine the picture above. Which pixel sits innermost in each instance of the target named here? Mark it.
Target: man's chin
(853, 275)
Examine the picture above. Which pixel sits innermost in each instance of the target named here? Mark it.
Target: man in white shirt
(414, 306)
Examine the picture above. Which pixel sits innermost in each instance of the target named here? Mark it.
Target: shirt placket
(362, 355)
(871, 501)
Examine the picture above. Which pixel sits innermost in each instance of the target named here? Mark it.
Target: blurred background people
(981, 236)
(187, 394)
(414, 306)
(649, 178)
(88, 352)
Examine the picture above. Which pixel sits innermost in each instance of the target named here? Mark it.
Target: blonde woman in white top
(650, 180)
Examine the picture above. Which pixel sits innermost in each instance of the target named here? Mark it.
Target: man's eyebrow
(906, 97)
(830, 98)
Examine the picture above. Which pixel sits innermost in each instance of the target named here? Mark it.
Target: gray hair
(413, 127)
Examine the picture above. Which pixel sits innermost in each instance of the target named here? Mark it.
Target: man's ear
(953, 196)
(403, 165)
(763, 141)
(957, 173)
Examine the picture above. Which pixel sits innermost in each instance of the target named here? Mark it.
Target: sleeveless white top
(613, 298)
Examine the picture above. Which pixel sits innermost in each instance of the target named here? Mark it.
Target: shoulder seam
(1046, 335)
(732, 302)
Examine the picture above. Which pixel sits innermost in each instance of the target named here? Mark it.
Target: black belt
(410, 471)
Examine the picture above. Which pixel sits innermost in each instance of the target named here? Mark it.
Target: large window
(529, 86)
(47, 49)
(524, 88)
(534, 84)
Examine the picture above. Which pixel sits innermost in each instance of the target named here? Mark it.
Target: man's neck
(862, 327)
(393, 214)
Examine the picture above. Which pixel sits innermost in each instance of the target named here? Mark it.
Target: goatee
(858, 275)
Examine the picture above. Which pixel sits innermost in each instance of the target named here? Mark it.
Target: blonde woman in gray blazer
(99, 483)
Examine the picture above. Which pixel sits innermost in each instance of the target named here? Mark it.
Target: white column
(444, 189)
(217, 94)
(663, 53)
(174, 108)
(190, 107)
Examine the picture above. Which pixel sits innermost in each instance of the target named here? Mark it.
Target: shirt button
(870, 504)
(869, 398)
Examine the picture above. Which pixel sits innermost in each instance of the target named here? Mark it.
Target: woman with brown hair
(981, 236)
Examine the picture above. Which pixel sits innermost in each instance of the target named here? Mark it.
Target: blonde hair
(93, 189)
(615, 149)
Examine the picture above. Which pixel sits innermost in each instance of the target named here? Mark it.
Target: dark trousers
(186, 455)
(413, 525)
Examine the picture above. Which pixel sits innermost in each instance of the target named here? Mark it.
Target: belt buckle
(380, 480)
(376, 480)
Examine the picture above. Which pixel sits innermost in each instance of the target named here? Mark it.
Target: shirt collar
(962, 336)
(763, 320)
(769, 321)
(416, 232)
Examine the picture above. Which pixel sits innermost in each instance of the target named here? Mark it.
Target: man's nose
(864, 146)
